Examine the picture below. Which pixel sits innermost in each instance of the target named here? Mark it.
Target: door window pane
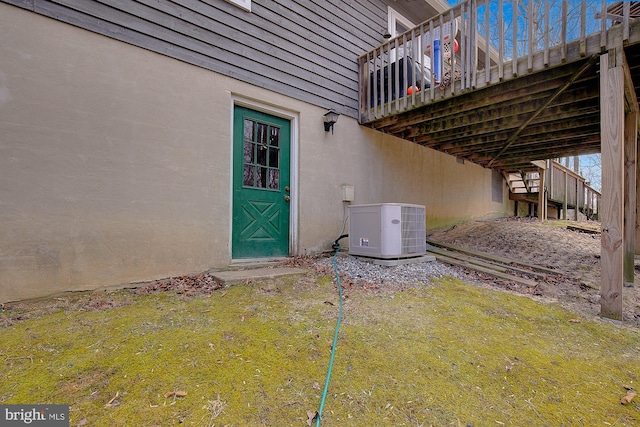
(261, 160)
(249, 154)
(274, 181)
(262, 156)
(273, 157)
(262, 134)
(249, 126)
(247, 179)
(261, 178)
(275, 137)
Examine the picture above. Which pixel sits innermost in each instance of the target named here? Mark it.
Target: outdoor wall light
(330, 119)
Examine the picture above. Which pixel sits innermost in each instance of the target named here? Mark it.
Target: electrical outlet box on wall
(348, 193)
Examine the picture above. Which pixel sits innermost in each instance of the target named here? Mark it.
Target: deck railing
(480, 42)
(592, 200)
(563, 188)
(567, 188)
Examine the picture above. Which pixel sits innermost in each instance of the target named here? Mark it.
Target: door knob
(287, 198)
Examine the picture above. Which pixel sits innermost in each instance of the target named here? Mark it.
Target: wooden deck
(528, 82)
(544, 103)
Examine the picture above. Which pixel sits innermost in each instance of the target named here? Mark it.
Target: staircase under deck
(563, 189)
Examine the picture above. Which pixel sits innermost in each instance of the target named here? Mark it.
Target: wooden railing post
(363, 89)
(514, 25)
(487, 42)
(542, 200)
(500, 40)
(565, 199)
(578, 199)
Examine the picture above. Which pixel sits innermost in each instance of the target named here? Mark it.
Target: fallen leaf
(312, 416)
(574, 320)
(316, 385)
(628, 397)
(175, 393)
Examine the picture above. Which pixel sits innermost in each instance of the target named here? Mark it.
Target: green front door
(261, 144)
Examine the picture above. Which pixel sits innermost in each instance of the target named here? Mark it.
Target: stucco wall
(386, 169)
(115, 164)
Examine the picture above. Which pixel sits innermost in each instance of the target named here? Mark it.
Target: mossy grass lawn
(442, 354)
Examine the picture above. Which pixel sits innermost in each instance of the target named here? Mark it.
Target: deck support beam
(630, 199)
(615, 138)
(630, 170)
(637, 228)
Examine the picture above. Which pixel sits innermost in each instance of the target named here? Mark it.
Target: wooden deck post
(612, 149)
(630, 155)
(637, 228)
(630, 172)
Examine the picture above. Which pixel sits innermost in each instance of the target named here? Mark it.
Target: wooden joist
(503, 268)
(466, 259)
(583, 229)
(486, 270)
(495, 258)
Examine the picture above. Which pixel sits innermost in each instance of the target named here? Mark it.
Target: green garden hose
(336, 246)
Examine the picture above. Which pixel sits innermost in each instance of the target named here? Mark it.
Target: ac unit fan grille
(413, 230)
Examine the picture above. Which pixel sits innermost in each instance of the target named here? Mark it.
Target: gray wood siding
(306, 49)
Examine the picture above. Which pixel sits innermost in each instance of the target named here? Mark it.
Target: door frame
(294, 119)
(394, 17)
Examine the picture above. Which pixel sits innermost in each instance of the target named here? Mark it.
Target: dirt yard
(575, 254)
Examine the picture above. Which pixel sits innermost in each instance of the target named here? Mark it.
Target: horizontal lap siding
(306, 49)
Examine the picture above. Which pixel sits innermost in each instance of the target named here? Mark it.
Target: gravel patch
(360, 270)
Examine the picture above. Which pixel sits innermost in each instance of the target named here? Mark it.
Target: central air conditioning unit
(387, 230)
